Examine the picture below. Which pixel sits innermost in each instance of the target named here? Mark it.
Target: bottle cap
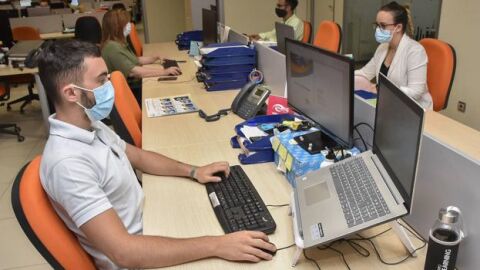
(449, 215)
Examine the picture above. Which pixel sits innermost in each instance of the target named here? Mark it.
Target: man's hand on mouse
(244, 246)
(173, 71)
(206, 173)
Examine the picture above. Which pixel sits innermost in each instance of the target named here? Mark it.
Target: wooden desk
(56, 35)
(179, 207)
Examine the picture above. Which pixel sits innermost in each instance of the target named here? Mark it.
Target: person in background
(116, 26)
(399, 57)
(285, 9)
(87, 172)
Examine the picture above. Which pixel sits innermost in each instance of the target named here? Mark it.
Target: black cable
(342, 255)
(364, 124)
(312, 260)
(286, 247)
(358, 248)
(277, 205)
(361, 138)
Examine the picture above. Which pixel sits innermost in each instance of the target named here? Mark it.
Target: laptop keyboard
(359, 195)
(237, 204)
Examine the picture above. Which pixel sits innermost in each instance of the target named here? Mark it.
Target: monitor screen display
(209, 23)
(320, 86)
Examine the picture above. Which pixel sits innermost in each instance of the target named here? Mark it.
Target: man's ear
(69, 93)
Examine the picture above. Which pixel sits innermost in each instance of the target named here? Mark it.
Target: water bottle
(445, 237)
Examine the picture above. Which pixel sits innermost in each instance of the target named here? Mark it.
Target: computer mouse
(269, 251)
(220, 174)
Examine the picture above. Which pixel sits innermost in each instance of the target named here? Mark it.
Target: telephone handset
(250, 100)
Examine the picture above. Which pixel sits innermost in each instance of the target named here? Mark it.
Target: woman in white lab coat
(400, 58)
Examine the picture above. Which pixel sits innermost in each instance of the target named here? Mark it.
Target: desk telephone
(250, 100)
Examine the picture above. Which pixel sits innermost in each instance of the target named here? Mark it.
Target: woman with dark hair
(399, 57)
(116, 26)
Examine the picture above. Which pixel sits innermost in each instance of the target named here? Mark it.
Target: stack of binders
(227, 66)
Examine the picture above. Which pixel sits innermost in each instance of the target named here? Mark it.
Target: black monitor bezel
(346, 144)
(204, 26)
(412, 104)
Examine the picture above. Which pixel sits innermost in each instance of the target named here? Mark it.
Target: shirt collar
(69, 131)
(290, 19)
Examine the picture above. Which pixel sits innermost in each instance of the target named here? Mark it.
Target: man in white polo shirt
(86, 170)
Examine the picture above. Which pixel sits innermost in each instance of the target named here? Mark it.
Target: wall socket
(461, 106)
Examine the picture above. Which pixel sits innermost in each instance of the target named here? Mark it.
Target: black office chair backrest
(87, 28)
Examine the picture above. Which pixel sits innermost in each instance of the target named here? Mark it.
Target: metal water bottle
(445, 237)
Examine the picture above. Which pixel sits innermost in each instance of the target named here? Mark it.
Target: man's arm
(108, 235)
(157, 164)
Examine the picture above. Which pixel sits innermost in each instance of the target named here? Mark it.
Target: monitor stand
(315, 142)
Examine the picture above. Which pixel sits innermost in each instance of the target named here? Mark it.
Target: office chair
(135, 41)
(440, 70)
(307, 32)
(41, 224)
(24, 33)
(87, 28)
(8, 128)
(126, 114)
(328, 36)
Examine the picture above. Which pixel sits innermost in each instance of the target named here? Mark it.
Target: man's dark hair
(62, 62)
(292, 3)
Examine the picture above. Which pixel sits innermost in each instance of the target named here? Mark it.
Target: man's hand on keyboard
(206, 173)
(244, 246)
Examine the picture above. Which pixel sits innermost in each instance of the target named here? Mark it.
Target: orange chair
(307, 32)
(25, 33)
(329, 36)
(440, 70)
(126, 114)
(135, 41)
(8, 128)
(43, 227)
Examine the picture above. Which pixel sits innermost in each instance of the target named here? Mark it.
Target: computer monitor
(397, 137)
(282, 32)
(209, 23)
(320, 87)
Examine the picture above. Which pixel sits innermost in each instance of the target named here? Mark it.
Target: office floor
(16, 251)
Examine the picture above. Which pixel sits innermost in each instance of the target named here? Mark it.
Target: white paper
(162, 106)
(249, 132)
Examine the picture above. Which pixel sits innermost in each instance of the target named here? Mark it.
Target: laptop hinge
(388, 181)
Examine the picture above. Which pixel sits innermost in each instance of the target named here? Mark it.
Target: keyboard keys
(241, 207)
(359, 196)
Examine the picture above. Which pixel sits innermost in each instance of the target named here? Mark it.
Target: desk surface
(190, 139)
(56, 35)
(9, 71)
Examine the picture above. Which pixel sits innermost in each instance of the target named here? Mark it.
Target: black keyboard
(237, 204)
(358, 193)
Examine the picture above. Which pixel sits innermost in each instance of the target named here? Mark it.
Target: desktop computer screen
(209, 23)
(320, 86)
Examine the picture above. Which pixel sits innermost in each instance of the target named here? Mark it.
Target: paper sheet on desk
(250, 132)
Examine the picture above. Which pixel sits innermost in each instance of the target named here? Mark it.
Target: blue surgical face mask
(383, 36)
(104, 98)
(127, 29)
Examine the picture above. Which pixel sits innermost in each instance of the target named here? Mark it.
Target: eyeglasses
(381, 25)
(213, 117)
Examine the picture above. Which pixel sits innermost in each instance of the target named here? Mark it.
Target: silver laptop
(283, 31)
(371, 188)
(234, 36)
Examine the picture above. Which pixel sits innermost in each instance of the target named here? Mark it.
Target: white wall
(196, 6)
(163, 19)
(459, 22)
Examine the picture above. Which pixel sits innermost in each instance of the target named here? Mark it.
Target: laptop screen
(398, 131)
